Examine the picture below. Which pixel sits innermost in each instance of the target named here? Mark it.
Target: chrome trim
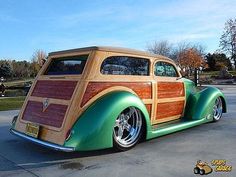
(42, 143)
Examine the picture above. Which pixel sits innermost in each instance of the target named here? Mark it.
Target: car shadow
(20, 153)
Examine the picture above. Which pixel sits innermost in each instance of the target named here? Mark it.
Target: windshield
(67, 65)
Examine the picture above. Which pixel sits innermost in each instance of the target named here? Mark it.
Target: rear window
(67, 65)
(124, 65)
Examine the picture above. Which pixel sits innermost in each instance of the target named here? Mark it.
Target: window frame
(169, 62)
(126, 75)
(51, 58)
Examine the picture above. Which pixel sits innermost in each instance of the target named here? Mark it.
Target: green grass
(11, 103)
(216, 73)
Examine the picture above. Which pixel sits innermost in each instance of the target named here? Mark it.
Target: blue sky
(28, 25)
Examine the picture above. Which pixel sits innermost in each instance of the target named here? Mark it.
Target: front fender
(200, 104)
(93, 129)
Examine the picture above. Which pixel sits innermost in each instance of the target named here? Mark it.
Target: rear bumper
(43, 143)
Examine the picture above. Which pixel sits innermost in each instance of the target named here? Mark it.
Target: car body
(99, 97)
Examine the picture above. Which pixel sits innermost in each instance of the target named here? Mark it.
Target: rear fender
(94, 128)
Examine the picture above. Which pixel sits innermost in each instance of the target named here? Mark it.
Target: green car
(101, 97)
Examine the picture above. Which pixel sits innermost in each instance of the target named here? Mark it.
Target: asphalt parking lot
(172, 155)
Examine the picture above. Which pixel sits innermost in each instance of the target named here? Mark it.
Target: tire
(201, 172)
(217, 109)
(196, 170)
(128, 129)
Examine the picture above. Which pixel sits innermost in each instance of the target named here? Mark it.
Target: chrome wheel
(127, 128)
(217, 109)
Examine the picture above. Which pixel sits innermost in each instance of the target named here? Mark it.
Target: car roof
(109, 49)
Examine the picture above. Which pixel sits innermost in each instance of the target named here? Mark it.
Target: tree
(21, 69)
(39, 56)
(5, 69)
(161, 48)
(190, 59)
(216, 61)
(38, 59)
(228, 40)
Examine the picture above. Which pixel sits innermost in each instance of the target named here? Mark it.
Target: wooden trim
(51, 100)
(142, 89)
(169, 109)
(54, 89)
(166, 100)
(34, 113)
(167, 119)
(149, 109)
(170, 89)
(104, 92)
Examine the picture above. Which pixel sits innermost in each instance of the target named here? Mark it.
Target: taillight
(68, 134)
(14, 120)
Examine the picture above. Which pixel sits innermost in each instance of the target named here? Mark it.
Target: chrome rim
(127, 127)
(217, 109)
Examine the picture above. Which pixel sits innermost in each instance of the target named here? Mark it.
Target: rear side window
(124, 65)
(165, 69)
(67, 65)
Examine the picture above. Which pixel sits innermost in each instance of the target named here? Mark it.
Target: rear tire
(128, 129)
(201, 172)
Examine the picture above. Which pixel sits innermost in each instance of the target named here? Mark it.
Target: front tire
(128, 129)
(196, 170)
(217, 109)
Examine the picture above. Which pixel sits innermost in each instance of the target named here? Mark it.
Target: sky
(52, 25)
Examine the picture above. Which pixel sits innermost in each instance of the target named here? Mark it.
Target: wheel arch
(199, 104)
(94, 128)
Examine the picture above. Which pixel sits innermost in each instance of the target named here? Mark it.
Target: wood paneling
(52, 116)
(54, 89)
(142, 89)
(170, 89)
(169, 109)
(149, 109)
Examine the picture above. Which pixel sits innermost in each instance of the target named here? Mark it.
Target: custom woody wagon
(100, 97)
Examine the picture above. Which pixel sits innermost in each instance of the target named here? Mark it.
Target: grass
(11, 103)
(17, 82)
(216, 73)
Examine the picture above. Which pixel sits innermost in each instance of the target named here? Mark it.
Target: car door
(170, 92)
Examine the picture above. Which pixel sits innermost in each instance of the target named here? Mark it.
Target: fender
(94, 128)
(199, 105)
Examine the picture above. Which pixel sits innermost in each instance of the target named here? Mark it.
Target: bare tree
(37, 61)
(161, 48)
(228, 39)
(39, 56)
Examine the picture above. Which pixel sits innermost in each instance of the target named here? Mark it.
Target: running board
(167, 128)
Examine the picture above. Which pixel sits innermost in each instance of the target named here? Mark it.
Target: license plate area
(32, 130)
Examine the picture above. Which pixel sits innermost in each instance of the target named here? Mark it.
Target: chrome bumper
(43, 143)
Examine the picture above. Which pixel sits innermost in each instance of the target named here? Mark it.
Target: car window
(124, 65)
(165, 69)
(67, 65)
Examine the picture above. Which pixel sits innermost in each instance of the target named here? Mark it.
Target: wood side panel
(149, 109)
(142, 89)
(54, 89)
(170, 89)
(52, 116)
(169, 109)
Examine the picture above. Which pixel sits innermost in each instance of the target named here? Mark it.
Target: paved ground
(171, 155)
